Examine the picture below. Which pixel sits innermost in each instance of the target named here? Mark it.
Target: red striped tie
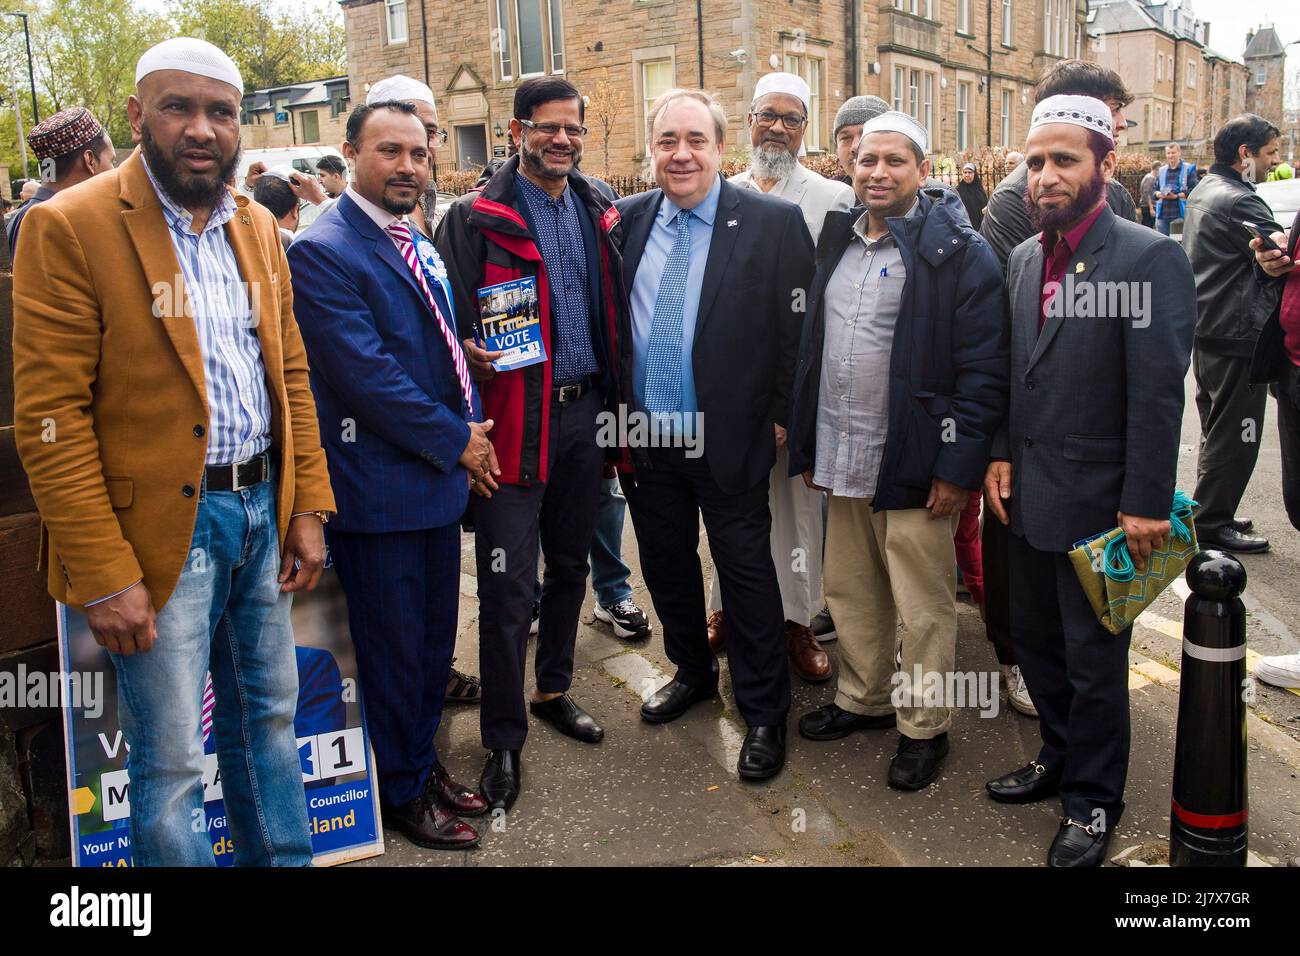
(400, 231)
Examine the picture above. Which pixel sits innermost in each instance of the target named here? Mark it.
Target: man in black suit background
(716, 276)
(1102, 312)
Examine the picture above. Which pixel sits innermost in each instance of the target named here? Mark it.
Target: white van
(301, 158)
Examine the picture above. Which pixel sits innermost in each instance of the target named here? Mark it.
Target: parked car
(1283, 197)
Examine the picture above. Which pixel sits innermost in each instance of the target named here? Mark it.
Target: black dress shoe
(833, 722)
(1078, 845)
(1031, 782)
(917, 762)
(1244, 525)
(426, 824)
(500, 780)
(568, 718)
(672, 700)
(762, 755)
(1229, 538)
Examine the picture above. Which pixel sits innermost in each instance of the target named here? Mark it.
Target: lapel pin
(732, 222)
(244, 219)
(1078, 267)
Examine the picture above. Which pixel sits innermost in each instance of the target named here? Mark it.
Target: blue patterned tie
(663, 385)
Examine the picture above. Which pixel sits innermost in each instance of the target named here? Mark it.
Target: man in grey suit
(1091, 440)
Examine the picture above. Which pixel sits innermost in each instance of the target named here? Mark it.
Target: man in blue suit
(395, 398)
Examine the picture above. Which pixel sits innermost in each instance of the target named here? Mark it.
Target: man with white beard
(778, 119)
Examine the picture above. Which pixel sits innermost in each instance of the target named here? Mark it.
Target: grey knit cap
(857, 110)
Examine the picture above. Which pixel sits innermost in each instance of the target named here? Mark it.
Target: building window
(922, 8)
(1261, 76)
(395, 17)
(1062, 28)
(528, 37)
(963, 16)
(501, 41)
(810, 68)
(914, 94)
(1160, 66)
(557, 37)
(927, 120)
(656, 79)
(963, 116)
(1191, 73)
(898, 89)
(1006, 117)
(1008, 29)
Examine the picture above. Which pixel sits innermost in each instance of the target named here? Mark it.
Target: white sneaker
(1280, 671)
(1018, 693)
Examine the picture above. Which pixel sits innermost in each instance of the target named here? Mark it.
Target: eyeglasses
(791, 121)
(553, 129)
(436, 132)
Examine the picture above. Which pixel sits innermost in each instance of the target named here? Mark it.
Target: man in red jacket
(540, 225)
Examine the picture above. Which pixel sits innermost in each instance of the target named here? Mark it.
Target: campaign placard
(510, 321)
(334, 750)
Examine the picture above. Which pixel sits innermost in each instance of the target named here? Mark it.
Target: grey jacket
(1096, 400)
(1227, 323)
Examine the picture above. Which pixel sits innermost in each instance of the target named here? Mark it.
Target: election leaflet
(510, 321)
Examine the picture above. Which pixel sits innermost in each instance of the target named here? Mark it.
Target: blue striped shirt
(239, 407)
(559, 240)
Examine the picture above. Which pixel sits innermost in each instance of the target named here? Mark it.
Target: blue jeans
(1162, 226)
(608, 572)
(226, 616)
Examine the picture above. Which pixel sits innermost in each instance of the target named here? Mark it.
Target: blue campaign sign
(334, 749)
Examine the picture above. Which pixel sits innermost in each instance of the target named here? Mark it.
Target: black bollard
(1208, 825)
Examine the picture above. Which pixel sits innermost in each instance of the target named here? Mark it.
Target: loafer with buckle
(833, 722)
(1078, 845)
(501, 779)
(1031, 782)
(450, 795)
(806, 656)
(426, 824)
(672, 700)
(917, 762)
(762, 755)
(568, 718)
(717, 633)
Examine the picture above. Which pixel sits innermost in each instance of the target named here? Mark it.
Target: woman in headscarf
(972, 195)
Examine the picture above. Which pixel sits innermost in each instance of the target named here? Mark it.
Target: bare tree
(605, 104)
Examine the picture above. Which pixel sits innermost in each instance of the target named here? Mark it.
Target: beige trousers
(882, 566)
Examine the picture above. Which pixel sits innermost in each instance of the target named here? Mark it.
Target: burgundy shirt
(1289, 316)
(1057, 253)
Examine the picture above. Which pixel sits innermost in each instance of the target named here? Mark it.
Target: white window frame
(1005, 102)
(963, 16)
(927, 104)
(392, 8)
(963, 114)
(900, 77)
(1008, 24)
(1160, 67)
(1191, 74)
(641, 59)
(555, 14)
(915, 7)
(501, 40)
(507, 41)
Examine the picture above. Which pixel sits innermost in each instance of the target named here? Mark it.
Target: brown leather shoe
(450, 795)
(717, 636)
(809, 660)
(426, 824)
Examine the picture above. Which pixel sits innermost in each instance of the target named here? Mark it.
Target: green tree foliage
(271, 47)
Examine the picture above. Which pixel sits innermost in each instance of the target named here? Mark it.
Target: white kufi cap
(404, 89)
(189, 55)
(893, 121)
(786, 83)
(1086, 111)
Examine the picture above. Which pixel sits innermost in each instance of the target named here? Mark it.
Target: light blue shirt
(645, 289)
(234, 377)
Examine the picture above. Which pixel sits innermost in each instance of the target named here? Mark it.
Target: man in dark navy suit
(716, 277)
(397, 404)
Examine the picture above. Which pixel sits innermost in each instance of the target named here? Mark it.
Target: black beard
(183, 188)
(534, 161)
(1058, 220)
(399, 208)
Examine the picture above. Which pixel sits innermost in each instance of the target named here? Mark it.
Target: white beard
(770, 165)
